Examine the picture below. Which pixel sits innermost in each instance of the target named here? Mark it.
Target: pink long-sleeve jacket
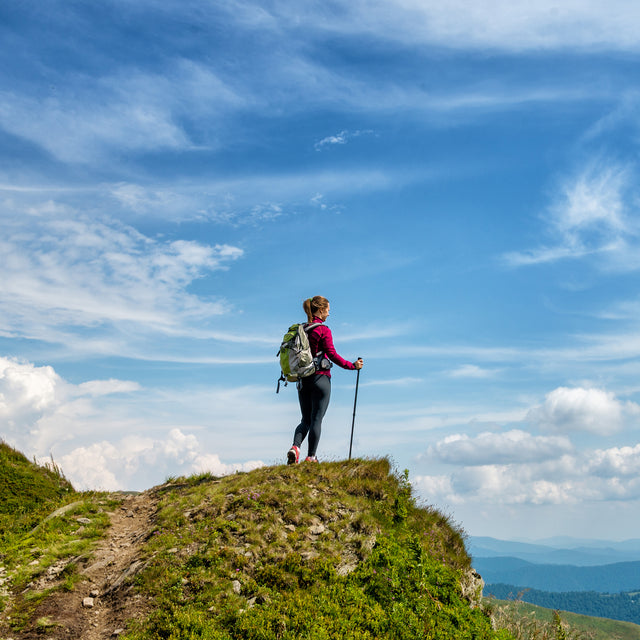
(321, 341)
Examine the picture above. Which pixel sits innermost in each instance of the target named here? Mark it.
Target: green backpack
(296, 359)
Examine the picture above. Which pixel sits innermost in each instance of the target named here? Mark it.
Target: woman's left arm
(330, 351)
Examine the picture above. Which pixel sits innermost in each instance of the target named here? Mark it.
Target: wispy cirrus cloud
(471, 371)
(340, 138)
(66, 269)
(88, 118)
(498, 24)
(593, 216)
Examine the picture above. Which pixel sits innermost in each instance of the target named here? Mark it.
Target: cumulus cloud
(616, 462)
(40, 409)
(578, 409)
(516, 467)
(590, 476)
(513, 446)
(91, 439)
(26, 392)
(133, 462)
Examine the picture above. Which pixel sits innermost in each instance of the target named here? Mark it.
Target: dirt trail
(100, 606)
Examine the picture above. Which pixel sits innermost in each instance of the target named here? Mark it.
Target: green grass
(530, 621)
(338, 550)
(28, 490)
(33, 544)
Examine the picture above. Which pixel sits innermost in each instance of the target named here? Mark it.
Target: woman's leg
(321, 393)
(306, 407)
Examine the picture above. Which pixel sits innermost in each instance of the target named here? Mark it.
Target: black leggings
(313, 393)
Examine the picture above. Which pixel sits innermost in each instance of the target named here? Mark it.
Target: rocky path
(100, 606)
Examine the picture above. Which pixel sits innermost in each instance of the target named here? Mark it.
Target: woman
(314, 391)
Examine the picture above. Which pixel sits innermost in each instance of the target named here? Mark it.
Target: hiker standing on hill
(314, 391)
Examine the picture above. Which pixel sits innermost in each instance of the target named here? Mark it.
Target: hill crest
(236, 557)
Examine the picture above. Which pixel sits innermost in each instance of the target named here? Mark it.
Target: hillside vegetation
(27, 491)
(336, 550)
(525, 621)
(617, 606)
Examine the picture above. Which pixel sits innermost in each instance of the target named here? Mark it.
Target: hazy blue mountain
(565, 542)
(567, 551)
(609, 578)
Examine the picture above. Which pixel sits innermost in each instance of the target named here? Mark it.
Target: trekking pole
(353, 420)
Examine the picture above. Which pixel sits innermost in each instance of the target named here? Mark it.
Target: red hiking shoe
(293, 455)
(311, 459)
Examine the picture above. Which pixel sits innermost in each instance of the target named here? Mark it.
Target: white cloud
(26, 391)
(340, 138)
(471, 371)
(594, 476)
(513, 446)
(39, 409)
(89, 435)
(470, 24)
(133, 462)
(70, 270)
(578, 409)
(616, 462)
(129, 111)
(393, 382)
(516, 467)
(591, 217)
(107, 387)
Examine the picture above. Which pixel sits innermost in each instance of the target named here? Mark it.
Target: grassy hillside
(523, 618)
(617, 606)
(337, 550)
(27, 491)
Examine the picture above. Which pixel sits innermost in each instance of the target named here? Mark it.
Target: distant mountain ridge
(558, 551)
(609, 578)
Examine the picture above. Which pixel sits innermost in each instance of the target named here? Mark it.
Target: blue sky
(460, 180)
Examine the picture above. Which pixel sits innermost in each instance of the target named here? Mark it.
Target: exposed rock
(346, 569)
(88, 603)
(472, 585)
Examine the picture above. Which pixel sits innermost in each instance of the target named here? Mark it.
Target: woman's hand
(358, 364)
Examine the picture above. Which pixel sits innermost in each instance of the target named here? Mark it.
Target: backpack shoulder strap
(311, 325)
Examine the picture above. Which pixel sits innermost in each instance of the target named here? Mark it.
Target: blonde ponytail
(311, 306)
